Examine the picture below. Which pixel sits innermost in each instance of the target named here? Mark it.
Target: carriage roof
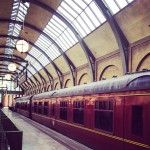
(136, 81)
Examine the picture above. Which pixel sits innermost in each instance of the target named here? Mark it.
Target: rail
(10, 136)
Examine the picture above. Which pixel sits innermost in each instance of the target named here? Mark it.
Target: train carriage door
(136, 123)
(108, 113)
(30, 107)
(53, 113)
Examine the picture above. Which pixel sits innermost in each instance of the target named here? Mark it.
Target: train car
(105, 115)
(23, 106)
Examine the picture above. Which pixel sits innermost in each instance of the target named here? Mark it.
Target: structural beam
(120, 37)
(90, 57)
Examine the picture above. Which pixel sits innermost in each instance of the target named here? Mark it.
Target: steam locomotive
(110, 114)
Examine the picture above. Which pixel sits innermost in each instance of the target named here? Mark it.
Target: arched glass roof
(84, 15)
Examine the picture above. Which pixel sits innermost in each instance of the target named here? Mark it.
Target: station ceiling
(51, 27)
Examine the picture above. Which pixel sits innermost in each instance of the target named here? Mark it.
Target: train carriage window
(104, 115)
(17, 105)
(40, 108)
(53, 110)
(25, 106)
(137, 120)
(35, 107)
(46, 108)
(63, 110)
(78, 112)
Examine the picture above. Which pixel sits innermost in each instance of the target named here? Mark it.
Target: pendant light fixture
(11, 67)
(22, 46)
(7, 76)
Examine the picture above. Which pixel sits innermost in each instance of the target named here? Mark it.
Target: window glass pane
(32, 70)
(78, 28)
(112, 5)
(44, 61)
(137, 120)
(87, 22)
(59, 21)
(121, 3)
(65, 13)
(38, 66)
(30, 59)
(59, 42)
(92, 17)
(71, 36)
(69, 9)
(97, 12)
(35, 52)
(74, 6)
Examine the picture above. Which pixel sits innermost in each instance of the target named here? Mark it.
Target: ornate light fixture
(7, 76)
(22, 46)
(12, 67)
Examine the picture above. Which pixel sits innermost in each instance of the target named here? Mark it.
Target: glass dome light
(22, 46)
(12, 67)
(7, 76)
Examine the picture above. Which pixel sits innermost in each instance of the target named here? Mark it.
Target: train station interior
(65, 65)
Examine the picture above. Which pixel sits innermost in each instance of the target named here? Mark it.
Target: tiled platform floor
(39, 137)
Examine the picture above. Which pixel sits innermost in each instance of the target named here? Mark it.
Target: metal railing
(10, 136)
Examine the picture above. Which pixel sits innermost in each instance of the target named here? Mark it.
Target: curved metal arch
(120, 37)
(90, 57)
(81, 77)
(141, 61)
(72, 68)
(21, 59)
(42, 68)
(59, 73)
(25, 85)
(42, 79)
(46, 71)
(13, 57)
(23, 66)
(66, 83)
(100, 77)
(17, 73)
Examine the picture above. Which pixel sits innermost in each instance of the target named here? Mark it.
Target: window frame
(102, 109)
(79, 105)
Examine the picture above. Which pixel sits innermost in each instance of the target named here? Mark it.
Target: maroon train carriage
(106, 115)
(22, 105)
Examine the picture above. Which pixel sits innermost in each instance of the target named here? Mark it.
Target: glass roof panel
(16, 15)
(88, 21)
(30, 59)
(29, 74)
(83, 15)
(51, 32)
(37, 66)
(79, 28)
(59, 42)
(35, 52)
(32, 70)
(43, 60)
(66, 13)
(69, 8)
(121, 3)
(98, 14)
(112, 6)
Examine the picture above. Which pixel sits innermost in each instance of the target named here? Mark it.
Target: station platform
(39, 137)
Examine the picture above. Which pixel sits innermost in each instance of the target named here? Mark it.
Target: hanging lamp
(22, 46)
(11, 67)
(7, 76)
